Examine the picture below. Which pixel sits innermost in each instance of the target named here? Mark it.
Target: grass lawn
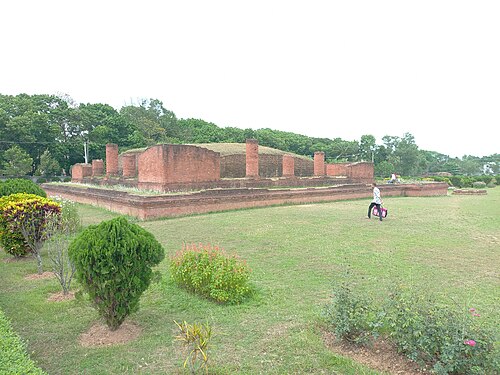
(449, 245)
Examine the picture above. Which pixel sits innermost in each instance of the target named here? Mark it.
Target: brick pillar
(111, 159)
(128, 165)
(319, 163)
(288, 166)
(97, 167)
(252, 158)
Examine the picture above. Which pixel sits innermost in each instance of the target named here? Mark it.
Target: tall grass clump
(209, 272)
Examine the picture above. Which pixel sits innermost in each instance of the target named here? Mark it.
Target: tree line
(46, 134)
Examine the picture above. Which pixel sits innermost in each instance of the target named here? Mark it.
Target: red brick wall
(129, 169)
(97, 167)
(111, 159)
(362, 172)
(288, 166)
(337, 169)
(319, 163)
(234, 166)
(80, 171)
(164, 164)
(252, 158)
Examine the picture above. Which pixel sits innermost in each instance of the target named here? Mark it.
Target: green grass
(448, 245)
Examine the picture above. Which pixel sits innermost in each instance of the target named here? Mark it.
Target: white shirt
(376, 196)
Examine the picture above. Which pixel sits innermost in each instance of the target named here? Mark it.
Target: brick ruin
(172, 167)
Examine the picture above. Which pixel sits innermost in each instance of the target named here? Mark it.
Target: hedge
(13, 356)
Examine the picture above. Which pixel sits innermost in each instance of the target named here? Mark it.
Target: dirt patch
(43, 276)
(382, 356)
(100, 335)
(59, 296)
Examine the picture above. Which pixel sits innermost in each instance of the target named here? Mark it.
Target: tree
(367, 147)
(16, 162)
(48, 165)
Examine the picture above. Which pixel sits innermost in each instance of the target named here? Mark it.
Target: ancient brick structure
(129, 167)
(288, 166)
(80, 171)
(186, 167)
(173, 164)
(337, 169)
(252, 158)
(97, 167)
(111, 159)
(319, 163)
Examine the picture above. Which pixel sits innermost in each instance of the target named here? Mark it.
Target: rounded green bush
(113, 263)
(20, 185)
(209, 272)
(19, 209)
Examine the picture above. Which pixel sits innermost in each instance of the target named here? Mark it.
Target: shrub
(12, 240)
(29, 215)
(67, 179)
(20, 185)
(209, 272)
(64, 230)
(456, 181)
(13, 356)
(113, 261)
(196, 340)
(479, 185)
(450, 340)
(42, 180)
(352, 315)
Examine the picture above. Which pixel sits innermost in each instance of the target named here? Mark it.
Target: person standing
(376, 202)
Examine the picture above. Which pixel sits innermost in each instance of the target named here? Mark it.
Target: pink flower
(470, 342)
(472, 309)
(477, 315)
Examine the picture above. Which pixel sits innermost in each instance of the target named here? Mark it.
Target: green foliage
(13, 356)
(17, 162)
(113, 262)
(452, 340)
(20, 185)
(196, 340)
(48, 165)
(209, 272)
(29, 215)
(11, 240)
(351, 314)
(479, 185)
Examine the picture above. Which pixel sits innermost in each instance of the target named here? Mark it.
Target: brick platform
(155, 206)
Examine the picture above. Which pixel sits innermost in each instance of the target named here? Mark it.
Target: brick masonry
(176, 164)
(288, 166)
(319, 163)
(185, 167)
(97, 167)
(111, 159)
(155, 206)
(252, 158)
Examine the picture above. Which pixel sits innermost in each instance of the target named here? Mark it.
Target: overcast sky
(319, 68)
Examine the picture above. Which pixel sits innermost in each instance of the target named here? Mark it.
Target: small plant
(28, 214)
(209, 272)
(196, 340)
(113, 262)
(352, 315)
(64, 229)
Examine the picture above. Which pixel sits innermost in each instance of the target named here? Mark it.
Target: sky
(333, 69)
